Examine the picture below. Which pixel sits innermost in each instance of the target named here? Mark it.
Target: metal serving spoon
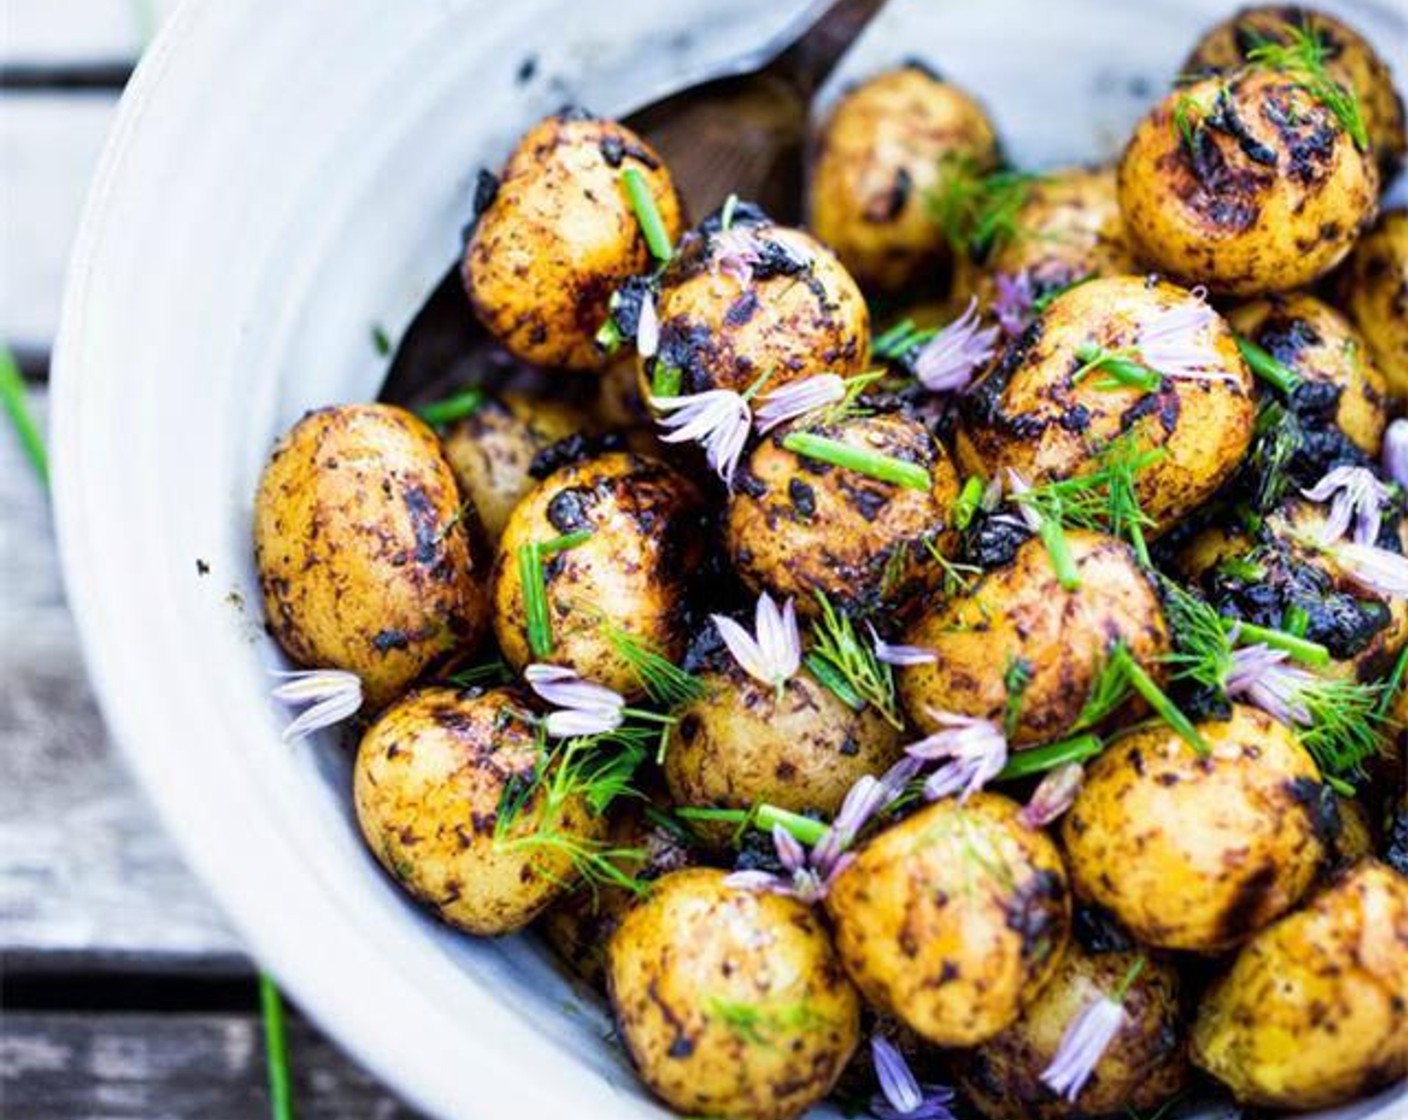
(741, 131)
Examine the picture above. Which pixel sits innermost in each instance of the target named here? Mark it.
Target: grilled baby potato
(1247, 184)
(954, 918)
(1029, 415)
(1193, 851)
(1312, 1013)
(1145, 1064)
(743, 743)
(429, 784)
(1349, 59)
(1374, 290)
(731, 1003)
(622, 585)
(1018, 648)
(1319, 344)
(755, 300)
(879, 154)
(1067, 229)
(363, 557)
(491, 452)
(798, 525)
(559, 235)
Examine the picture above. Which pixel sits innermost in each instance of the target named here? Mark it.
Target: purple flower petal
(1083, 1044)
(798, 399)
(901, 1096)
(1177, 341)
(900, 655)
(774, 655)
(583, 708)
(1054, 795)
(1355, 496)
(976, 748)
(951, 358)
(1396, 451)
(753, 880)
(789, 849)
(1017, 486)
(1013, 305)
(1377, 569)
(327, 696)
(718, 419)
(648, 328)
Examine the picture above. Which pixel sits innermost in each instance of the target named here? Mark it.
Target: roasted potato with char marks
(491, 451)
(1145, 1065)
(430, 784)
(363, 558)
(954, 918)
(1374, 290)
(1312, 1013)
(625, 582)
(1018, 642)
(1349, 59)
(731, 1003)
(798, 525)
(755, 301)
(1194, 851)
(801, 748)
(879, 154)
(1068, 228)
(1320, 345)
(1247, 184)
(1028, 415)
(558, 236)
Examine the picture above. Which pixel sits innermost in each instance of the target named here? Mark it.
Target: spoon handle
(818, 39)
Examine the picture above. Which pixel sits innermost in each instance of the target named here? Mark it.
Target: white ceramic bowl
(281, 177)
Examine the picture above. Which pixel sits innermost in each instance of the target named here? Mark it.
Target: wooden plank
(172, 1067)
(85, 869)
(68, 34)
(49, 147)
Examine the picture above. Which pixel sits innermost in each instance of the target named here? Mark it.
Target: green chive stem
(833, 679)
(1038, 760)
(647, 214)
(886, 468)
(1295, 620)
(564, 542)
(464, 403)
(535, 601)
(665, 380)
(1392, 684)
(966, 504)
(1275, 373)
(1156, 699)
(1130, 976)
(1302, 649)
(805, 830)
(16, 401)
(1057, 547)
(275, 1050)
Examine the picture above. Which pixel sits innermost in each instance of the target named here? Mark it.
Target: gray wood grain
(85, 869)
(173, 1067)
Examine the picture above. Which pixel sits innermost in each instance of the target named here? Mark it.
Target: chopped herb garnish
(1274, 372)
(652, 226)
(841, 654)
(381, 341)
(15, 400)
(1037, 760)
(1155, 697)
(464, 403)
(665, 380)
(537, 619)
(1303, 57)
(759, 1025)
(726, 213)
(900, 341)
(977, 210)
(1302, 649)
(664, 682)
(492, 672)
(1048, 297)
(965, 506)
(764, 817)
(885, 468)
(1120, 369)
(1344, 729)
(1202, 649)
(1108, 691)
(271, 1007)
(1015, 680)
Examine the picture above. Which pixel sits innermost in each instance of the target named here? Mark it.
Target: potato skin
(560, 235)
(630, 574)
(364, 561)
(793, 313)
(739, 745)
(954, 918)
(877, 157)
(1021, 611)
(1317, 342)
(1374, 286)
(1068, 228)
(797, 526)
(1145, 1065)
(1351, 60)
(1271, 212)
(1312, 1013)
(427, 785)
(731, 1003)
(492, 449)
(1198, 852)
(1026, 415)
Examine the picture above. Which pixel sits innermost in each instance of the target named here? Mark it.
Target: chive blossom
(886, 468)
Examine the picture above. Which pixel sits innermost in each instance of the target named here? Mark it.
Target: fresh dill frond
(1015, 680)
(841, 655)
(1202, 648)
(1188, 114)
(760, 1024)
(1157, 699)
(487, 674)
(1108, 691)
(957, 576)
(1344, 731)
(849, 407)
(1277, 437)
(664, 682)
(977, 210)
(1303, 57)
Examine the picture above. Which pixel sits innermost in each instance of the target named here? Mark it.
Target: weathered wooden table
(125, 994)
